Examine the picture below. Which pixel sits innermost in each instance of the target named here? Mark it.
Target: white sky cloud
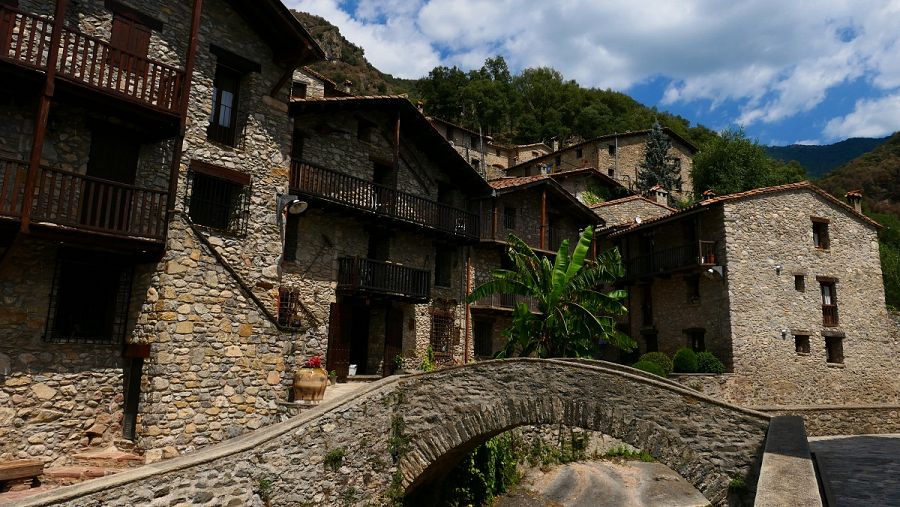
(774, 58)
(870, 118)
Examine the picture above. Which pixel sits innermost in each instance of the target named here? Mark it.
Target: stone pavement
(859, 470)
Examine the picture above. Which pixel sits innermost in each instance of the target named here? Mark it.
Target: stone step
(110, 457)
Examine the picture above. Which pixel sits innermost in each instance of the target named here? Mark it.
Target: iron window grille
(444, 335)
(289, 307)
(89, 299)
(217, 202)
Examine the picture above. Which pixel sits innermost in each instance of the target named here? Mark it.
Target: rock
(153, 456)
(43, 391)
(273, 378)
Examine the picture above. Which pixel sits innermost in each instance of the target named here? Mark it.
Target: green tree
(731, 162)
(575, 313)
(658, 168)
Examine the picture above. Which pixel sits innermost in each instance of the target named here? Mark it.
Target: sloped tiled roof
(630, 198)
(502, 183)
(803, 185)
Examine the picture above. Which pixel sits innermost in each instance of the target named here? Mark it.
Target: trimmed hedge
(685, 361)
(660, 359)
(650, 367)
(709, 363)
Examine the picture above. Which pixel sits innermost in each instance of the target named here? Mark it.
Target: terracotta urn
(310, 384)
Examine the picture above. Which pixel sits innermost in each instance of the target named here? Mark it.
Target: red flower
(313, 362)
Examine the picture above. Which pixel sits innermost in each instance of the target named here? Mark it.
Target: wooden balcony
(357, 275)
(505, 303)
(75, 202)
(382, 201)
(89, 62)
(662, 262)
(532, 238)
(829, 316)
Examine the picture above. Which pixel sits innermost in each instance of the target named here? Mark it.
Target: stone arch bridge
(402, 431)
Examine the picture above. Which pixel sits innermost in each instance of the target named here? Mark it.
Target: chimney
(709, 194)
(555, 145)
(661, 195)
(347, 85)
(854, 198)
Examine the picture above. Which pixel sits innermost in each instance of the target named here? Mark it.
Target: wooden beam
(43, 113)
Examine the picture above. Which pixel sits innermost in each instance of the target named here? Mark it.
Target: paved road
(860, 470)
(605, 484)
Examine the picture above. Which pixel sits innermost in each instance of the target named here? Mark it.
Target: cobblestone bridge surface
(402, 430)
(859, 470)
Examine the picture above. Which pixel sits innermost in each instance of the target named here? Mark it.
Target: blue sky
(796, 71)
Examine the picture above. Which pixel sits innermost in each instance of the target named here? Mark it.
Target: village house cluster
(187, 213)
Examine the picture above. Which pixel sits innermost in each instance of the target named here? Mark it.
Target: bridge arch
(446, 414)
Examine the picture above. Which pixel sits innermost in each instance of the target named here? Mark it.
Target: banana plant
(574, 314)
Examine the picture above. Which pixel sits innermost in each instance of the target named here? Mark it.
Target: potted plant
(310, 381)
(332, 377)
(398, 365)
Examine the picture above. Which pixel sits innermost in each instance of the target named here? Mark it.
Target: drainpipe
(43, 113)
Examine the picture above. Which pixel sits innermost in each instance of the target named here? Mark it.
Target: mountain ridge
(818, 160)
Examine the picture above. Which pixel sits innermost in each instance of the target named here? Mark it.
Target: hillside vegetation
(818, 160)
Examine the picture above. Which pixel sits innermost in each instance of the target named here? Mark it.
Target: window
(298, 90)
(557, 161)
(482, 332)
(611, 149)
(289, 307)
(801, 343)
(692, 284)
(829, 302)
(88, 298)
(820, 233)
(509, 217)
(476, 163)
(443, 333)
(799, 283)
(578, 153)
(223, 121)
(611, 172)
(291, 233)
(834, 349)
(651, 338)
(443, 266)
(218, 198)
(129, 39)
(696, 339)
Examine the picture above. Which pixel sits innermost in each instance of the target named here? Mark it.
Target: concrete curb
(787, 477)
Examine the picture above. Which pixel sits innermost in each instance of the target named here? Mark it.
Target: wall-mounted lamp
(784, 334)
(714, 272)
(778, 268)
(290, 204)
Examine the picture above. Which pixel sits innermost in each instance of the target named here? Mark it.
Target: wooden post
(397, 145)
(543, 219)
(494, 218)
(43, 113)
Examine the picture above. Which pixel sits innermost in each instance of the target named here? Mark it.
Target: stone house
(627, 211)
(142, 147)
(617, 155)
(783, 284)
(309, 84)
(381, 255)
(538, 210)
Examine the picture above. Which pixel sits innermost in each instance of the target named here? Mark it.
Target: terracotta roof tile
(629, 199)
(515, 182)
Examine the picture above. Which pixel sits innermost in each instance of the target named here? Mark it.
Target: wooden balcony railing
(357, 274)
(360, 194)
(86, 60)
(702, 253)
(12, 187)
(829, 315)
(506, 302)
(96, 205)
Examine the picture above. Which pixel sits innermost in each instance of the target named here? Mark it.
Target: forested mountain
(818, 160)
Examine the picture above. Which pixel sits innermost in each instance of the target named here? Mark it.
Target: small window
(218, 198)
(365, 130)
(443, 332)
(801, 343)
(557, 161)
(652, 341)
(829, 303)
(509, 217)
(89, 298)
(223, 120)
(578, 153)
(289, 307)
(129, 43)
(799, 283)
(696, 339)
(820, 233)
(834, 349)
(482, 331)
(298, 90)
(611, 149)
(611, 172)
(476, 163)
(693, 288)
(443, 267)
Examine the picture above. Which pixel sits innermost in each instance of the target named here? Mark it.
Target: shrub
(685, 361)
(650, 367)
(660, 359)
(709, 363)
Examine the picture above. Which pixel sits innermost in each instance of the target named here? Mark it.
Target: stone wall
(315, 87)
(766, 309)
(626, 210)
(845, 420)
(400, 431)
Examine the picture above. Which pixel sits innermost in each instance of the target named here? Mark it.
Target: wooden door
(107, 194)
(338, 357)
(393, 338)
